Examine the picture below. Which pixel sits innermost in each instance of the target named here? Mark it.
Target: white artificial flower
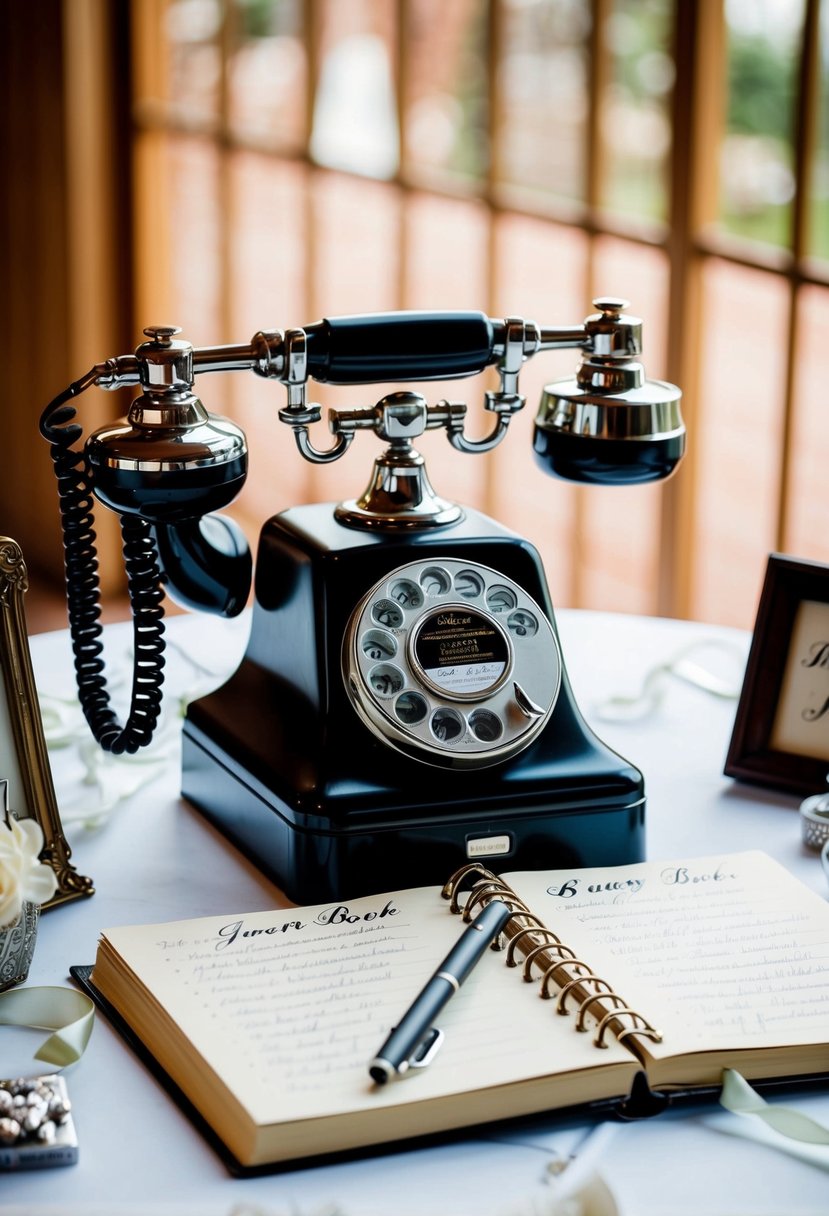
(23, 877)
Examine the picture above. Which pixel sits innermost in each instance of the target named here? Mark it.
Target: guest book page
(725, 953)
(289, 1007)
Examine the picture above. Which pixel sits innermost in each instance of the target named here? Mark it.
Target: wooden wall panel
(66, 295)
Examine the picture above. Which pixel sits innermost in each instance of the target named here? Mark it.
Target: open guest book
(671, 971)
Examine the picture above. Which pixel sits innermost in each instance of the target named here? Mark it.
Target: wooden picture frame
(24, 760)
(781, 731)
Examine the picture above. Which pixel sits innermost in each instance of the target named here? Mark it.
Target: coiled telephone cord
(83, 593)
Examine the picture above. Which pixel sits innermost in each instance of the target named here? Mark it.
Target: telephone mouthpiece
(609, 424)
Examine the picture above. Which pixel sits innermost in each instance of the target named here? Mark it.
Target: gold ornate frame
(35, 796)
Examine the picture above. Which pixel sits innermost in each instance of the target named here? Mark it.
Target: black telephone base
(279, 761)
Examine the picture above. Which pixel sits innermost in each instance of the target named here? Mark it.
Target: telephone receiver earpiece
(174, 472)
(172, 464)
(162, 469)
(206, 563)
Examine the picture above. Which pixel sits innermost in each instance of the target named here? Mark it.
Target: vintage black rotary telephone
(402, 705)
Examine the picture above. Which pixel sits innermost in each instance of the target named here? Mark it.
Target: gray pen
(414, 1041)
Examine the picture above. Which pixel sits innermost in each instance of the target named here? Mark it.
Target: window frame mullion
(696, 120)
(804, 141)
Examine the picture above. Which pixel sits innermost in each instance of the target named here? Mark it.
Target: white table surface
(155, 858)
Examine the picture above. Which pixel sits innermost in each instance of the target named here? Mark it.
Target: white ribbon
(788, 1129)
(69, 1014)
(690, 666)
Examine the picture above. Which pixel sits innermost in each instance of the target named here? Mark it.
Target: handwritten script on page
(718, 953)
(288, 1007)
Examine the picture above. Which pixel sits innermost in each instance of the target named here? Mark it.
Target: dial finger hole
(386, 612)
(522, 624)
(469, 584)
(447, 725)
(500, 599)
(407, 594)
(435, 581)
(386, 680)
(378, 645)
(486, 725)
(411, 708)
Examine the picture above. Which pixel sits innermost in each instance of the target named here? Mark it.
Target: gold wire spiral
(561, 1003)
(610, 995)
(557, 948)
(523, 927)
(544, 991)
(452, 887)
(645, 1028)
(511, 960)
(496, 890)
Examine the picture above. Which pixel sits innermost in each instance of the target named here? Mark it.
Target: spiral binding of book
(577, 986)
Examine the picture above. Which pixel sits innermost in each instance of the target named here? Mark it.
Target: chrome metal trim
(450, 979)
(537, 656)
(649, 412)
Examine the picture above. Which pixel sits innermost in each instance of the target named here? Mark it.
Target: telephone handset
(403, 704)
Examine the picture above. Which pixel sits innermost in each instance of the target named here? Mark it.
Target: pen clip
(427, 1049)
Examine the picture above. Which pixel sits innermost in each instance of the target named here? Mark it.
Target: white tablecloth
(155, 858)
